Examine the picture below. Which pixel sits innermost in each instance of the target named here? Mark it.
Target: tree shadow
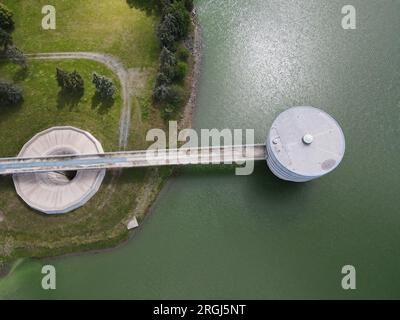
(148, 6)
(69, 99)
(104, 104)
(3, 58)
(21, 74)
(7, 110)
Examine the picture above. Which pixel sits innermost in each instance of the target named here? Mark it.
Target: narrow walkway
(130, 159)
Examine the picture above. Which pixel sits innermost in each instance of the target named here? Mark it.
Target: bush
(181, 71)
(182, 53)
(6, 18)
(15, 55)
(168, 112)
(176, 96)
(10, 94)
(69, 81)
(5, 39)
(105, 87)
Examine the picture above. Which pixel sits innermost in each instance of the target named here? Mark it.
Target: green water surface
(212, 234)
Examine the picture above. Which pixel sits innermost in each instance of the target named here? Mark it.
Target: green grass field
(46, 106)
(107, 26)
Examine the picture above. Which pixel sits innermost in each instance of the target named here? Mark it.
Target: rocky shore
(194, 43)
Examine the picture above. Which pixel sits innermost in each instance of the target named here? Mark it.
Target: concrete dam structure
(55, 192)
(62, 168)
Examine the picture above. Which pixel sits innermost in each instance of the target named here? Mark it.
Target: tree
(6, 18)
(167, 31)
(181, 19)
(62, 77)
(174, 26)
(75, 82)
(161, 93)
(105, 88)
(167, 63)
(15, 55)
(167, 57)
(189, 5)
(162, 79)
(70, 81)
(5, 39)
(10, 94)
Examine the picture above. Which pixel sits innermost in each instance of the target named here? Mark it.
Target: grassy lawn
(107, 26)
(44, 106)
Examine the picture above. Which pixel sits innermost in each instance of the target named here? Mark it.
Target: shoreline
(196, 50)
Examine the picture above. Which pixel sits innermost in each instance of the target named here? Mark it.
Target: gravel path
(115, 65)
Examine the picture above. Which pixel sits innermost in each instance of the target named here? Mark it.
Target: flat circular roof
(56, 192)
(306, 142)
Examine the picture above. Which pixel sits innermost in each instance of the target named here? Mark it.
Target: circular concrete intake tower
(304, 143)
(59, 192)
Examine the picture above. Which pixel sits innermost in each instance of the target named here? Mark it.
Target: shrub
(15, 55)
(182, 53)
(10, 94)
(176, 96)
(105, 87)
(69, 81)
(6, 18)
(168, 112)
(181, 71)
(5, 39)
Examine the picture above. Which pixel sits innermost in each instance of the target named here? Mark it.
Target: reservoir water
(212, 234)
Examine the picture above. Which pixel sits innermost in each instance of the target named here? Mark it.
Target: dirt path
(115, 65)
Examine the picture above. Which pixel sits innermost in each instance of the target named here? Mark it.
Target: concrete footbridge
(132, 159)
(62, 168)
